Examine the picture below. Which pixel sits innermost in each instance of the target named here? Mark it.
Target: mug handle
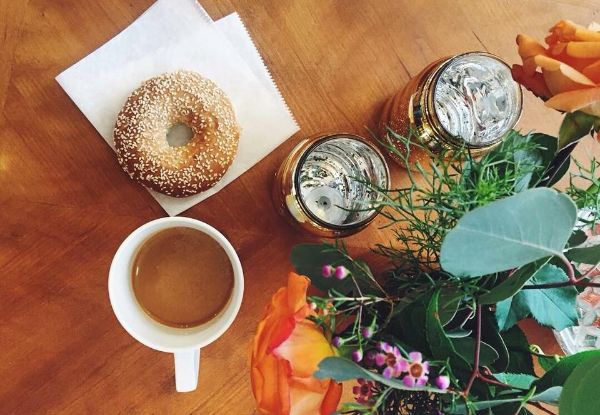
(187, 364)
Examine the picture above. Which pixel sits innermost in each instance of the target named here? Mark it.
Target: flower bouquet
(477, 245)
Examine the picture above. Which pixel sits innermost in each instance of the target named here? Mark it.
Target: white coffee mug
(185, 343)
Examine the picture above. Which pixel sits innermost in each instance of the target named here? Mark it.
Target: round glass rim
(302, 160)
(433, 84)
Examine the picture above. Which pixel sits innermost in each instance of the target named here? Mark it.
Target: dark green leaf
(543, 155)
(342, 369)
(449, 301)
(548, 362)
(513, 283)
(549, 396)
(466, 348)
(490, 334)
(410, 323)
(516, 380)
(509, 233)
(440, 345)
(559, 167)
(577, 238)
(588, 255)
(518, 350)
(308, 259)
(553, 307)
(574, 126)
(558, 375)
(579, 396)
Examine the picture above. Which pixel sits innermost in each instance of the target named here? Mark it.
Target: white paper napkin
(178, 34)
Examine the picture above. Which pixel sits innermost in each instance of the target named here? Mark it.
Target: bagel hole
(179, 135)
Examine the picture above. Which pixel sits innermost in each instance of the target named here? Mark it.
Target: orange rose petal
(305, 348)
(297, 287)
(529, 47)
(304, 402)
(592, 71)
(566, 30)
(534, 83)
(331, 399)
(583, 49)
(561, 77)
(586, 100)
(270, 386)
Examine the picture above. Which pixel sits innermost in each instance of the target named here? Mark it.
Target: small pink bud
(367, 332)
(337, 341)
(312, 305)
(327, 271)
(341, 272)
(357, 355)
(442, 382)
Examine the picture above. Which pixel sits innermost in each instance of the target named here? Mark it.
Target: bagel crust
(142, 124)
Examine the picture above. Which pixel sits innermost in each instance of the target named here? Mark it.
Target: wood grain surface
(66, 205)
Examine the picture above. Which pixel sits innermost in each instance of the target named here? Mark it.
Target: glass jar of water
(467, 100)
(330, 183)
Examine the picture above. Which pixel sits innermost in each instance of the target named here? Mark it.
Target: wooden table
(67, 205)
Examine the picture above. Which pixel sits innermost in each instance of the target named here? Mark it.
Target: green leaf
(341, 369)
(516, 380)
(466, 348)
(579, 396)
(574, 126)
(518, 350)
(513, 283)
(553, 307)
(558, 375)
(509, 233)
(548, 362)
(410, 323)
(588, 255)
(441, 346)
(548, 396)
(450, 299)
(577, 238)
(308, 259)
(544, 154)
(490, 334)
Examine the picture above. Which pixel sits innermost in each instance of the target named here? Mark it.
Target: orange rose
(570, 67)
(286, 351)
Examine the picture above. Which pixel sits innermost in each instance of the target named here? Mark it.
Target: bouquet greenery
(477, 245)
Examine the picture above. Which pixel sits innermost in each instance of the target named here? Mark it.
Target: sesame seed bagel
(161, 102)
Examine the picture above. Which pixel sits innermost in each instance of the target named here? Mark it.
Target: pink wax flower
(417, 371)
(341, 272)
(327, 271)
(363, 391)
(442, 382)
(392, 360)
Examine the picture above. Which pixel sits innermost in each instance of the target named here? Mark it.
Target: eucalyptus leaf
(341, 369)
(509, 233)
(587, 255)
(579, 396)
(552, 307)
(513, 283)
